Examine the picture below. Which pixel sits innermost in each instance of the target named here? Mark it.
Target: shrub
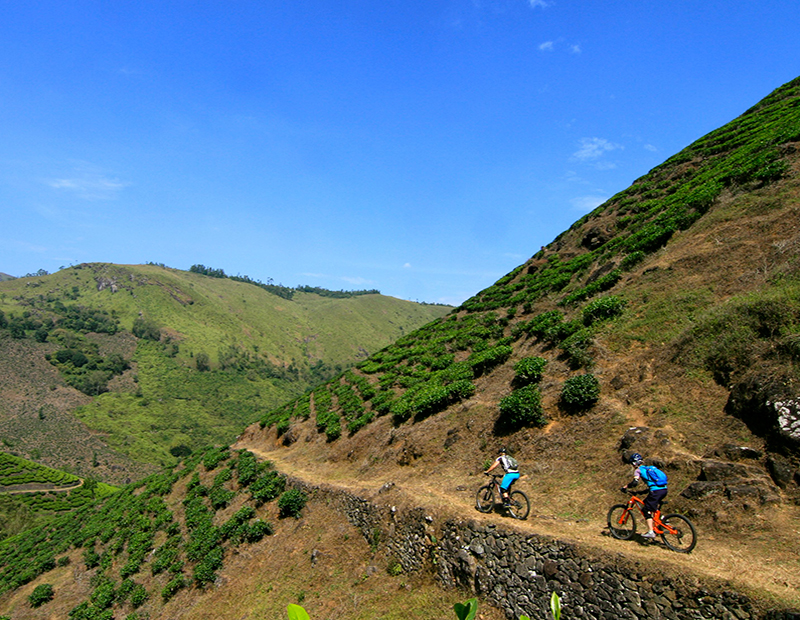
(485, 360)
(382, 402)
(529, 370)
(542, 324)
(43, 593)
(267, 487)
(246, 468)
(256, 530)
(146, 329)
(632, 259)
(580, 392)
(576, 349)
(138, 595)
(291, 503)
(214, 457)
(401, 409)
(205, 571)
(599, 285)
(171, 589)
(104, 595)
(523, 407)
(602, 309)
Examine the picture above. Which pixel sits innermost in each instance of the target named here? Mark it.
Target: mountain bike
(676, 530)
(518, 505)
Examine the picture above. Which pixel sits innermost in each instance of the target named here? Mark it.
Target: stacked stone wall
(518, 572)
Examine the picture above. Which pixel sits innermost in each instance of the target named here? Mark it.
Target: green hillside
(170, 360)
(29, 492)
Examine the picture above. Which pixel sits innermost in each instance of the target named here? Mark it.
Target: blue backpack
(653, 476)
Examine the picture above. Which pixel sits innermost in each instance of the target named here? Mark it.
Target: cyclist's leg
(505, 485)
(652, 503)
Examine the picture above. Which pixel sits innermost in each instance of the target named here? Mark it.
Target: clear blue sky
(421, 147)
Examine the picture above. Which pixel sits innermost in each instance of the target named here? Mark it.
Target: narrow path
(44, 488)
(752, 564)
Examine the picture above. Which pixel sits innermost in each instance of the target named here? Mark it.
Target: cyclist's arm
(635, 482)
(495, 464)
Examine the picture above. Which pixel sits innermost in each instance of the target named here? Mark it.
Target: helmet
(635, 459)
(503, 450)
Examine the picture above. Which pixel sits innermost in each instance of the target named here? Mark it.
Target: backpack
(653, 476)
(510, 463)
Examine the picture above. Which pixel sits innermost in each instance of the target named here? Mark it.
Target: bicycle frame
(496, 486)
(677, 532)
(518, 505)
(659, 527)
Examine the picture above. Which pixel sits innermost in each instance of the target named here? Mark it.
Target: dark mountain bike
(676, 531)
(518, 506)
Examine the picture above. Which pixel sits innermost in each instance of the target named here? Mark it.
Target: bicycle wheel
(519, 506)
(686, 537)
(621, 522)
(484, 500)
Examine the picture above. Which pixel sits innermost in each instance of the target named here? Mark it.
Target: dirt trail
(33, 487)
(751, 562)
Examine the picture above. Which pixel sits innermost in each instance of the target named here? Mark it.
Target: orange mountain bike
(675, 530)
(518, 506)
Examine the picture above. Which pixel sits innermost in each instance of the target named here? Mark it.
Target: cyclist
(511, 469)
(656, 481)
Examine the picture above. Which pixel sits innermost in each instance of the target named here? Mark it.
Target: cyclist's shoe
(649, 535)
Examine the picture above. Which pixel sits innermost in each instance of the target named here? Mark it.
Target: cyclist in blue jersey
(656, 481)
(511, 469)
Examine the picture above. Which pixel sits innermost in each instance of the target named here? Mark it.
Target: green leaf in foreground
(466, 611)
(296, 612)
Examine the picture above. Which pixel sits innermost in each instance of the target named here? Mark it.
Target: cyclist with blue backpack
(656, 481)
(511, 469)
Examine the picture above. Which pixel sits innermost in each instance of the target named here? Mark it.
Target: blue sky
(422, 148)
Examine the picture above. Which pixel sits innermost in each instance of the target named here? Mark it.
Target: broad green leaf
(466, 611)
(296, 612)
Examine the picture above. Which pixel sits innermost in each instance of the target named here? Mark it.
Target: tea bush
(291, 503)
(523, 407)
(575, 349)
(580, 392)
(246, 468)
(529, 370)
(602, 309)
(43, 593)
(215, 456)
(173, 587)
(484, 361)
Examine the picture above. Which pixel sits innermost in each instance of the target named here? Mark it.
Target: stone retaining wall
(518, 572)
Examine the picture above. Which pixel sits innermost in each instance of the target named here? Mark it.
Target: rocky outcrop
(769, 409)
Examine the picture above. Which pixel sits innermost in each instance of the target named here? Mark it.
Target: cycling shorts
(508, 480)
(653, 501)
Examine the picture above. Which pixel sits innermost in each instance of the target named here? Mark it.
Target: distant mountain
(5, 276)
(160, 361)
